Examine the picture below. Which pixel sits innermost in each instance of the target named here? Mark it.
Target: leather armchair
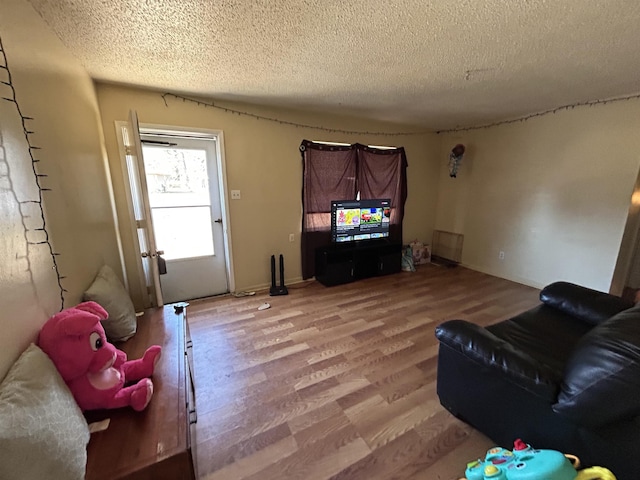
(564, 375)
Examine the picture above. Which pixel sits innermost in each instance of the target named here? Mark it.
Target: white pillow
(43, 434)
(108, 291)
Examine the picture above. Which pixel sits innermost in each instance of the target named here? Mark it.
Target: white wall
(53, 88)
(552, 192)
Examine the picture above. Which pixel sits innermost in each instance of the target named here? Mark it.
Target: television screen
(355, 220)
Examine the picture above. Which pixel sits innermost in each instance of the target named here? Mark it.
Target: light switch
(235, 194)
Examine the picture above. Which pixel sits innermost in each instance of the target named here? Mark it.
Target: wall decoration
(455, 159)
(31, 210)
(590, 103)
(283, 122)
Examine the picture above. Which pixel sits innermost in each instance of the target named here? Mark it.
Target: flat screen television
(360, 220)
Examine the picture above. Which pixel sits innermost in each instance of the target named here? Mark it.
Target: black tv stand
(338, 263)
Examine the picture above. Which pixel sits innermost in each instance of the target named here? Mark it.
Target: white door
(129, 137)
(185, 203)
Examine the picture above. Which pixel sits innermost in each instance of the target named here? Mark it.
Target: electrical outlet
(235, 194)
(501, 255)
(291, 237)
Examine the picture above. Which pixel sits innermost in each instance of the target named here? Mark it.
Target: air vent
(446, 248)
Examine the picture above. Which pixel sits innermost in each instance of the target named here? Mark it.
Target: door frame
(195, 133)
(629, 252)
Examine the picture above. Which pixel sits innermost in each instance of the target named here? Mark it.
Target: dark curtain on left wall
(328, 173)
(338, 172)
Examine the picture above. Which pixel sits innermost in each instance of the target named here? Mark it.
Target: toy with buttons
(527, 463)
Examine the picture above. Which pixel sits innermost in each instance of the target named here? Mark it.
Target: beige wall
(264, 163)
(552, 193)
(55, 90)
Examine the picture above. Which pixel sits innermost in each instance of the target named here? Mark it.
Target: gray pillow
(108, 291)
(43, 434)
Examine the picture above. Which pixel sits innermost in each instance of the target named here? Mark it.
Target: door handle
(218, 220)
(152, 255)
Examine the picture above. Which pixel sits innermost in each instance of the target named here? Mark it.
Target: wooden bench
(159, 442)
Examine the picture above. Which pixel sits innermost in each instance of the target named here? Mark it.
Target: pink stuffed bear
(94, 370)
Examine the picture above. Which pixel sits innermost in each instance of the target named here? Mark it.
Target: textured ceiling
(438, 64)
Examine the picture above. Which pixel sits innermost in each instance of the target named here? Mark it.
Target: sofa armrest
(589, 305)
(483, 347)
(601, 383)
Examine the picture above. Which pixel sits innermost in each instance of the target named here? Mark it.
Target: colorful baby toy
(94, 370)
(527, 463)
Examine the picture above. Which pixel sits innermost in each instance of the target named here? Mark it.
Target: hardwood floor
(338, 382)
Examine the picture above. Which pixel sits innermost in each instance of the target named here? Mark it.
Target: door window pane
(176, 177)
(183, 232)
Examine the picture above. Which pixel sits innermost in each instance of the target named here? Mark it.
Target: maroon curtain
(336, 172)
(382, 173)
(328, 173)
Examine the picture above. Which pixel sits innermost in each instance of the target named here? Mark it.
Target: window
(339, 172)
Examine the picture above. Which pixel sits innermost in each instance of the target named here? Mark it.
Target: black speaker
(277, 289)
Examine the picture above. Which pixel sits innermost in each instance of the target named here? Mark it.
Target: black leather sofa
(564, 375)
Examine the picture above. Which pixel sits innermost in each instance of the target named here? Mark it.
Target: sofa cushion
(589, 305)
(544, 333)
(44, 434)
(108, 291)
(601, 382)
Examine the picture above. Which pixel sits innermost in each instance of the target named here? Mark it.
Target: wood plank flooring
(339, 382)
